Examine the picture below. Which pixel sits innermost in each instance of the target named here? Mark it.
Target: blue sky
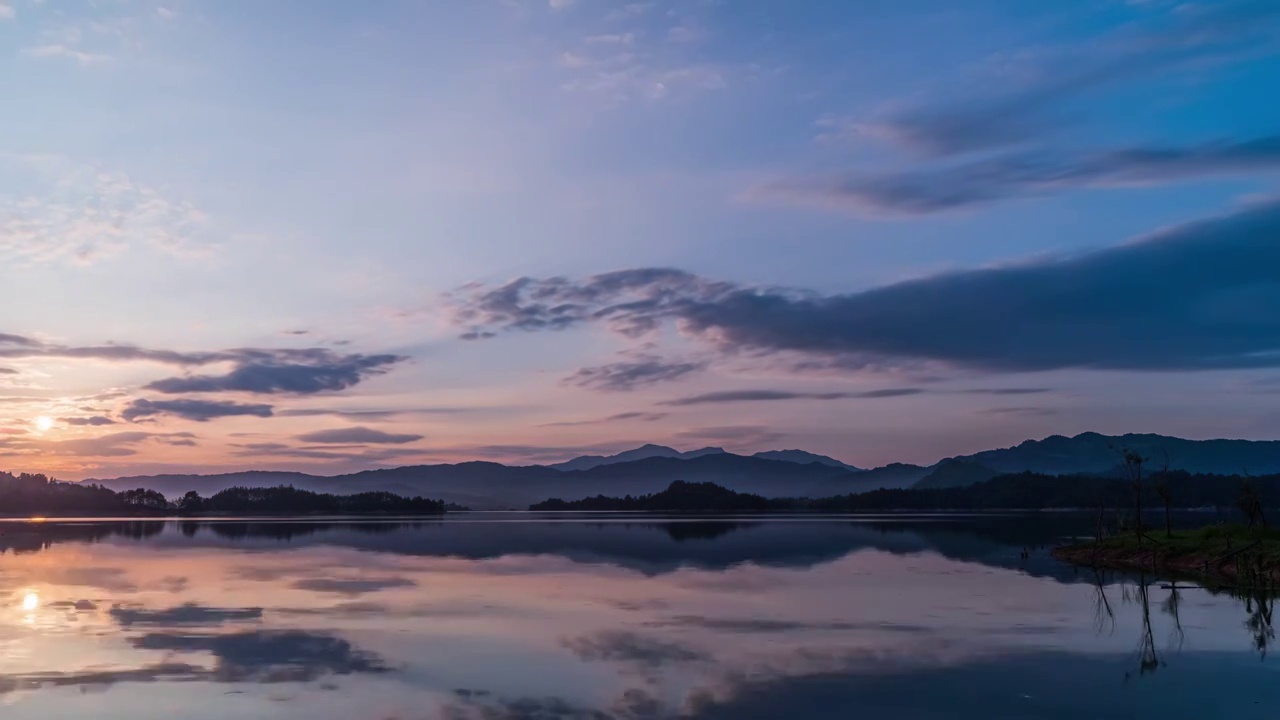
(889, 230)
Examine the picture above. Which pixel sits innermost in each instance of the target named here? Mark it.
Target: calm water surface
(490, 617)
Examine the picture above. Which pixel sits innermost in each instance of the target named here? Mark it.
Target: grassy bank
(1214, 555)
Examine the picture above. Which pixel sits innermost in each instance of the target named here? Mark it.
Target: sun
(30, 602)
(44, 423)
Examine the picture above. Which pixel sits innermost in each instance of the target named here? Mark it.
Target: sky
(331, 236)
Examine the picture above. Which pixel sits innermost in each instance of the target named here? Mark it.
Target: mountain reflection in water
(609, 616)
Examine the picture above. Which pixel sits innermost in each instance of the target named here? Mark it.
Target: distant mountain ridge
(804, 457)
(587, 462)
(779, 473)
(800, 457)
(488, 485)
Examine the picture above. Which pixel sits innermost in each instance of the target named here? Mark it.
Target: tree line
(1024, 491)
(37, 494)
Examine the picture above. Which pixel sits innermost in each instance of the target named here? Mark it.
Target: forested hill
(34, 494)
(1025, 491)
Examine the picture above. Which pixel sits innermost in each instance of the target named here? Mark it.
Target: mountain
(955, 473)
(651, 468)
(804, 458)
(890, 477)
(586, 462)
(487, 485)
(1091, 453)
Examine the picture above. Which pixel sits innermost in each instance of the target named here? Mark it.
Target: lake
(555, 617)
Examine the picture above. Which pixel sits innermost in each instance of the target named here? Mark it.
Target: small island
(680, 496)
(1215, 556)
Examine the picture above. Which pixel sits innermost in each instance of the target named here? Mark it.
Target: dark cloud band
(1205, 295)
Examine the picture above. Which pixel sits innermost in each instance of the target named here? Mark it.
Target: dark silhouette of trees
(680, 496)
(29, 494)
(288, 500)
(145, 499)
(1251, 503)
(1025, 491)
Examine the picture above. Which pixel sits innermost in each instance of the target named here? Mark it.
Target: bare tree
(1173, 608)
(1165, 490)
(1259, 605)
(1148, 660)
(1104, 618)
(1251, 504)
(1133, 468)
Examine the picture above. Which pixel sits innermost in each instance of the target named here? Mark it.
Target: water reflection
(624, 618)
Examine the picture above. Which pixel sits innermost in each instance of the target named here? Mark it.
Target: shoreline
(1212, 557)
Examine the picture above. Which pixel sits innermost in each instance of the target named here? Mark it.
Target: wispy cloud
(293, 372)
(1223, 31)
(736, 396)
(120, 444)
(62, 51)
(1025, 411)
(83, 214)
(632, 374)
(629, 59)
(357, 436)
(1005, 177)
(740, 435)
(197, 410)
(299, 371)
(90, 421)
(620, 417)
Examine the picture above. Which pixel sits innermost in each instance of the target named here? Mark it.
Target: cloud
(6, 11)
(732, 396)
(357, 415)
(54, 50)
(739, 434)
(91, 679)
(269, 656)
(620, 417)
(631, 375)
(1005, 177)
(120, 444)
(1221, 32)
(360, 455)
(1203, 295)
(94, 421)
(357, 435)
(628, 647)
(197, 410)
(611, 39)
(83, 214)
(188, 614)
(559, 4)
(8, 371)
(1020, 411)
(298, 371)
(1006, 391)
(294, 372)
(352, 586)
(111, 579)
(768, 625)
